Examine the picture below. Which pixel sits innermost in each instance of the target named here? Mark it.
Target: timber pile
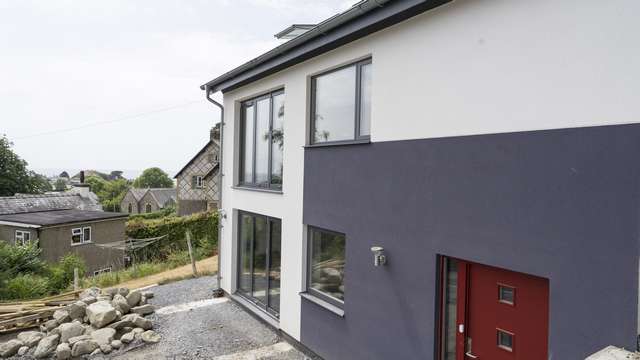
(16, 316)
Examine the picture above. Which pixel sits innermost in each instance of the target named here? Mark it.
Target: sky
(114, 85)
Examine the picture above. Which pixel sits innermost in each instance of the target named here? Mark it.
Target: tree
(97, 184)
(14, 175)
(60, 185)
(153, 178)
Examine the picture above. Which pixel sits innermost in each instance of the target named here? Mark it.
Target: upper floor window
(262, 141)
(197, 182)
(341, 104)
(22, 237)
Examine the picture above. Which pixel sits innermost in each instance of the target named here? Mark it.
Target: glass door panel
(246, 242)
(260, 261)
(274, 266)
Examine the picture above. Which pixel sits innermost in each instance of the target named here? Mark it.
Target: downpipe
(218, 292)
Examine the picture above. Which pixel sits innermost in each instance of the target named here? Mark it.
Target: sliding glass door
(259, 260)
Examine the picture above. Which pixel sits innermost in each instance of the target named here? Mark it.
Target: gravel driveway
(195, 326)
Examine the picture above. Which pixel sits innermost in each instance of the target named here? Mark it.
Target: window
(259, 260)
(22, 237)
(86, 234)
(130, 208)
(505, 340)
(102, 271)
(213, 158)
(262, 141)
(506, 294)
(147, 208)
(76, 236)
(197, 182)
(326, 265)
(341, 104)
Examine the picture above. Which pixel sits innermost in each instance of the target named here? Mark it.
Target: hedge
(203, 228)
(169, 211)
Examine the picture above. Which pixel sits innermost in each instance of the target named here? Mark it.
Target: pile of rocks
(100, 322)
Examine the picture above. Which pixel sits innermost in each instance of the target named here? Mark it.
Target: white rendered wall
(469, 67)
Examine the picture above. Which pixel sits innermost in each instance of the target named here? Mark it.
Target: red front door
(501, 314)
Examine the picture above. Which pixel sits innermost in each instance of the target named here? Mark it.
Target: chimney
(81, 176)
(214, 133)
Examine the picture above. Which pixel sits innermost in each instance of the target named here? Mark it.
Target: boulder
(121, 304)
(23, 351)
(122, 291)
(63, 351)
(77, 310)
(74, 340)
(101, 313)
(121, 324)
(83, 347)
(116, 344)
(143, 310)
(95, 353)
(105, 348)
(61, 316)
(128, 337)
(90, 292)
(148, 294)
(150, 337)
(137, 332)
(133, 298)
(49, 325)
(30, 338)
(103, 336)
(103, 298)
(143, 301)
(10, 348)
(46, 346)
(69, 330)
(88, 329)
(138, 321)
(89, 300)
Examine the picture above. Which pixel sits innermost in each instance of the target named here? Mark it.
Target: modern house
(439, 180)
(197, 181)
(139, 201)
(63, 224)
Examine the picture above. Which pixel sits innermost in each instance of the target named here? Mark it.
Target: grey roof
(138, 193)
(211, 172)
(204, 148)
(163, 196)
(58, 217)
(362, 19)
(29, 203)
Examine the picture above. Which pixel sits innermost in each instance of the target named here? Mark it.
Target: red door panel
(507, 314)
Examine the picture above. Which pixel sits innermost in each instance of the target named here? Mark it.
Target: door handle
(470, 355)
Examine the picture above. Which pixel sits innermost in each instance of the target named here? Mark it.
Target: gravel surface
(205, 332)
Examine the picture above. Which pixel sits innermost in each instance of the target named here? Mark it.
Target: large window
(80, 235)
(259, 260)
(22, 237)
(341, 104)
(262, 141)
(326, 265)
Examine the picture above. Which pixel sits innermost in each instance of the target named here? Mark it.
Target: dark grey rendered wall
(561, 204)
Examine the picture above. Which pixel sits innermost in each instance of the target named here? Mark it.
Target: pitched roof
(138, 193)
(30, 203)
(212, 171)
(58, 217)
(162, 196)
(360, 20)
(214, 142)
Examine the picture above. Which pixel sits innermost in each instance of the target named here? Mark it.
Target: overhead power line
(120, 119)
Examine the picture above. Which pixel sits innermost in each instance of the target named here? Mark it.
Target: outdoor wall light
(379, 258)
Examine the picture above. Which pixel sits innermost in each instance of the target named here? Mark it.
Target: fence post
(76, 280)
(193, 259)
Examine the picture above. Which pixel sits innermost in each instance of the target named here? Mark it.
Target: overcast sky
(134, 65)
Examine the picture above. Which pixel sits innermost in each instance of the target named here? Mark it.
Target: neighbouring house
(461, 181)
(197, 181)
(63, 231)
(139, 201)
(80, 198)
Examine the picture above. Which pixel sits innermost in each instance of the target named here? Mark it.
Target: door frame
(266, 306)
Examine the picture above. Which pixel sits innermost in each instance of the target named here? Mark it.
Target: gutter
(320, 30)
(17, 224)
(218, 292)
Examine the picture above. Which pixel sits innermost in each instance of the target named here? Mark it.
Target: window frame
(308, 289)
(242, 139)
(84, 239)
(80, 233)
(19, 236)
(148, 209)
(266, 307)
(357, 138)
(108, 269)
(199, 182)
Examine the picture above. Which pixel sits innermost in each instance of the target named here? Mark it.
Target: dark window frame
(309, 290)
(266, 307)
(357, 138)
(242, 182)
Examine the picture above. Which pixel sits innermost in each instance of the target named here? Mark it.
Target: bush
(25, 286)
(203, 228)
(169, 211)
(61, 274)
